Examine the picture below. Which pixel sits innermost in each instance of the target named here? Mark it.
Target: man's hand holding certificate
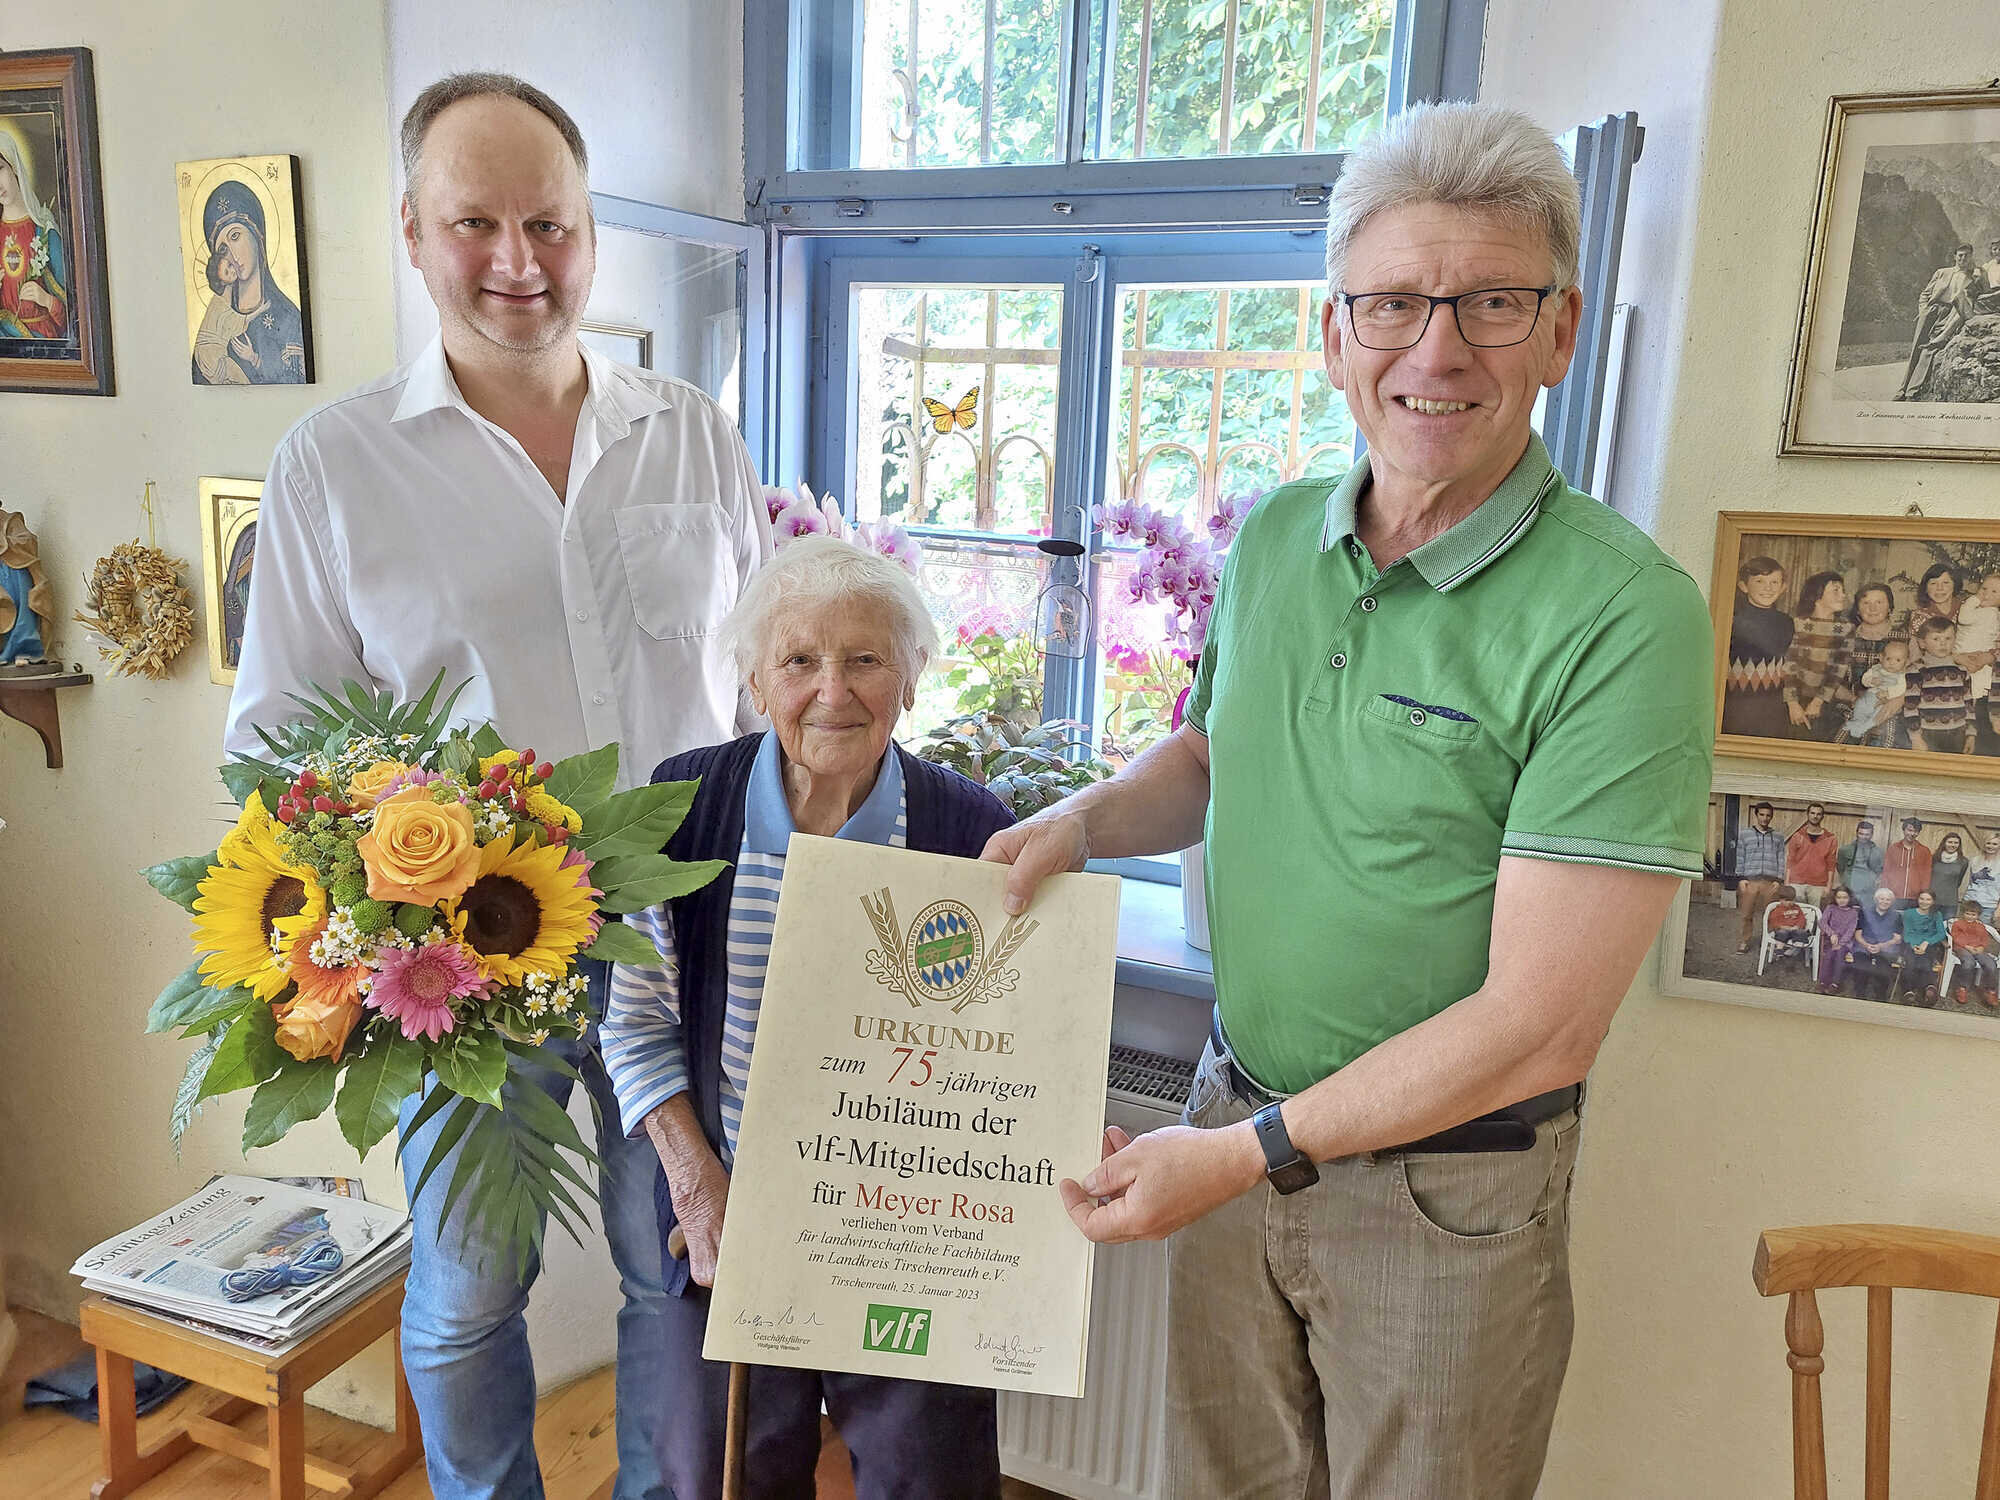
(927, 1069)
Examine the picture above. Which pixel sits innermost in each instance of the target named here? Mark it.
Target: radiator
(1109, 1445)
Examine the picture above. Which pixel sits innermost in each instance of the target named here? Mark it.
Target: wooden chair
(1881, 1257)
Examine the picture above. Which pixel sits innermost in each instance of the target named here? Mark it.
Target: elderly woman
(830, 640)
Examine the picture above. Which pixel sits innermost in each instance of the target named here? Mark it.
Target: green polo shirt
(1536, 681)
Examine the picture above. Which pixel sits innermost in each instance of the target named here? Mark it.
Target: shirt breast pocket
(1430, 725)
(677, 568)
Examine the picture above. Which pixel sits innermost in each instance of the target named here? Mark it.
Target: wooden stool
(247, 1379)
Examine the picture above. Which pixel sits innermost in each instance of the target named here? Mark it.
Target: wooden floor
(47, 1456)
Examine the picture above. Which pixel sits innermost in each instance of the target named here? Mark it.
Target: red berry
(527, 759)
(545, 770)
(307, 781)
(323, 803)
(286, 812)
(487, 789)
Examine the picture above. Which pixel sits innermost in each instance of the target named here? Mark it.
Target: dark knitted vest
(947, 814)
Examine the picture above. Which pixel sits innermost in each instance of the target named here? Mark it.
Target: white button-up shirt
(402, 534)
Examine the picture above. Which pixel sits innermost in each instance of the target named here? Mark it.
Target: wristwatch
(1284, 1164)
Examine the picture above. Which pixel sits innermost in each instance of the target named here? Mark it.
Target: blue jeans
(465, 1340)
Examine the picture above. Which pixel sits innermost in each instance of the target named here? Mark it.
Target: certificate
(926, 1069)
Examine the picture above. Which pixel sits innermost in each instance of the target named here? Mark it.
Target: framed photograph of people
(1898, 346)
(228, 549)
(1844, 899)
(243, 266)
(1858, 641)
(55, 315)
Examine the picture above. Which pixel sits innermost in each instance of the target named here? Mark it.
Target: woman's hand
(35, 292)
(699, 1204)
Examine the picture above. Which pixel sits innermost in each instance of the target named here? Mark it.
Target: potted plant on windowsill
(1179, 567)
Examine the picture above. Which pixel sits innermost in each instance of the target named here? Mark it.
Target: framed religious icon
(1858, 641)
(1898, 345)
(228, 548)
(243, 267)
(55, 314)
(1859, 901)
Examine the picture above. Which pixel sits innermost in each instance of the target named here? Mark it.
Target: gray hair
(823, 572)
(1477, 157)
(455, 87)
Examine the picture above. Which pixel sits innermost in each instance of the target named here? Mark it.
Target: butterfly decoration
(943, 418)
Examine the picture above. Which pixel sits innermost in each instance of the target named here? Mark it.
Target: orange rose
(419, 850)
(365, 787)
(316, 1026)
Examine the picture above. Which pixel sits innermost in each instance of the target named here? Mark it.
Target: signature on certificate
(1008, 1344)
(789, 1318)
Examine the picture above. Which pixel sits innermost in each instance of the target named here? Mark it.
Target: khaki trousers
(1398, 1331)
(1752, 896)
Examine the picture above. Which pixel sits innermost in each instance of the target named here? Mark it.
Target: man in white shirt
(563, 534)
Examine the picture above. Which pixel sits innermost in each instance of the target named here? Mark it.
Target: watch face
(1293, 1175)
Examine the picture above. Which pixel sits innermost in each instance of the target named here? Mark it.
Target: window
(1033, 256)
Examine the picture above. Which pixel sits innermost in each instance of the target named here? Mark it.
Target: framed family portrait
(1844, 899)
(228, 549)
(55, 314)
(243, 266)
(1865, 641)
(1898, 345)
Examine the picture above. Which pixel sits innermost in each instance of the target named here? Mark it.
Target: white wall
(1708, 1123)
(656, 86)
(84, 943)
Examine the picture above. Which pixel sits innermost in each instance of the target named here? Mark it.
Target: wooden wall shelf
(32, 700)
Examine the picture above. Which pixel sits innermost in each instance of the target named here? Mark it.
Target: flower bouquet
(400, 903)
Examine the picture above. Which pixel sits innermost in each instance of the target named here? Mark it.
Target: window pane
(1193, 78)
(910, 83)
(1220, 394)
(955, 424)
(982, 595)
(670, 305)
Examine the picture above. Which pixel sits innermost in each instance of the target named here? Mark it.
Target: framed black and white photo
(1898, 346)
(1859, 641)
(1844, 899)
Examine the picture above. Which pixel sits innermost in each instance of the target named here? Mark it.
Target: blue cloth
(465, 1341)
(1879, 926)
(1760, 855)
(72, 1388)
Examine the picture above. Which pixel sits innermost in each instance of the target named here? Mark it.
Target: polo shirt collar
(767, 816)
(616, 399)
(1473, 544)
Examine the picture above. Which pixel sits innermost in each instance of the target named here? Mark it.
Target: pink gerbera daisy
(417, 986)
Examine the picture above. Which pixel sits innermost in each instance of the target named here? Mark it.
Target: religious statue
(25, 605)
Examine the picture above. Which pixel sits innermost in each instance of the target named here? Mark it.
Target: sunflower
(252, 894)
(525, 913)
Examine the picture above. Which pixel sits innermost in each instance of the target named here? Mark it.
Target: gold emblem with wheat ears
(944, 957)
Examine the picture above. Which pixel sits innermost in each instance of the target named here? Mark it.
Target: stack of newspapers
(259, 1262)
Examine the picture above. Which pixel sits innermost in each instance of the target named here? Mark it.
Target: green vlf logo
(897, 1330)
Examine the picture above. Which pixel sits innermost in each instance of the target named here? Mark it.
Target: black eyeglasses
(1493, 317)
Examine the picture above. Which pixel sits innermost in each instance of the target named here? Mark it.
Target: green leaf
(474, 1064)
(583, 781)
(619, 944)
(189, 1001)
(187, 1097)
(249, 1053)
(486, 740)
(178, 879)
(377, 1083)
(299, 1092)
(636, 822)
(677, 879)
(463, 1112)
(244, 776)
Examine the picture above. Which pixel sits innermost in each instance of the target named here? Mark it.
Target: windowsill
(1153, 950)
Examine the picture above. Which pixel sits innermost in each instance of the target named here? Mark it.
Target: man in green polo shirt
(1449, 745)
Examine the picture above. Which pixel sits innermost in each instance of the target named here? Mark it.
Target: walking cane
(737, 1431)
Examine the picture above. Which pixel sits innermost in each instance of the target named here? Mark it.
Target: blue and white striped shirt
(644, 1050)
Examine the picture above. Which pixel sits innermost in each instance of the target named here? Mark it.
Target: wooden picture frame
(1764, 650)
(55, 310)
(622, 342)
(1892, 352)
(1697, 947)
(243, 268)
(228, 551)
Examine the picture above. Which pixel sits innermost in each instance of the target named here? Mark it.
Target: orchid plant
(796, 513)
